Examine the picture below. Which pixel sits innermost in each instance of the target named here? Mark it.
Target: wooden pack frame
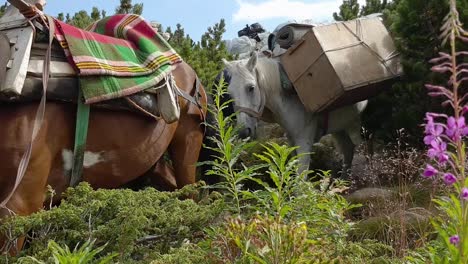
(20, 34)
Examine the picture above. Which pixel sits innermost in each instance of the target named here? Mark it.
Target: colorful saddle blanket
(116, 56)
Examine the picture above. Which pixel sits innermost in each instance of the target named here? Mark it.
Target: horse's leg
(346, 146)
(185, 149)
(303, 151)
(162, 176)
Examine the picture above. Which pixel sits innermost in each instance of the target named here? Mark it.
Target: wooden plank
(57, 69)
(16, 75)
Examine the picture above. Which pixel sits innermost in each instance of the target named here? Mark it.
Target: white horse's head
(243, 88)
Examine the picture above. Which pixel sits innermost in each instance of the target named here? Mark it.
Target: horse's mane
(268, 75)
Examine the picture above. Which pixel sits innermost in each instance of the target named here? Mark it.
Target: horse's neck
(269, 80)
(284, 106)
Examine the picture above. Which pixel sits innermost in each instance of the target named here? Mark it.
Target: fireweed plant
(444, 136)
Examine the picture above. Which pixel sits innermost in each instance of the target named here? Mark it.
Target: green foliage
(187, 254)
(95, 14)
(451, 224)
(283, 170)
(205, 56)
(414, 26)
(348, 10)
(262, 239)
(136, 225)
(3, 8)
(209, 54)
(229, 148)
(373, 6)
(453, 209)
(287, 220)
(126, 7)
(315, 231)
(85, 254)
(80, 19)
(61, 16)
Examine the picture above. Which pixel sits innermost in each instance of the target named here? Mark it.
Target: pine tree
(213, 50)
(95, 14)
(138, 9)
(415, 27)
(2, 9)
(348, 10)
(169, 30)
(373, 6)
(126, 7)
(205, 56)
(81, 19)
(68, 19)
(61, 16)
(178, 37)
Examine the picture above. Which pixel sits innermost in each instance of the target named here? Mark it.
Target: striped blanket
(116, 56)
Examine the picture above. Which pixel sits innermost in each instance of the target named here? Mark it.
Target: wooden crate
(342, 63)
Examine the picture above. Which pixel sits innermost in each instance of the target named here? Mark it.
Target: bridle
(251, 112)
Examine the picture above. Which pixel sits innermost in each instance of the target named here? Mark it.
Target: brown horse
(121, 146)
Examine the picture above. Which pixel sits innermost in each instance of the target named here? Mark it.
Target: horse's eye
(250, 88)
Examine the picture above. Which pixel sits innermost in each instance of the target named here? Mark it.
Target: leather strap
(193, 99)
(39, 118)
(253, 113)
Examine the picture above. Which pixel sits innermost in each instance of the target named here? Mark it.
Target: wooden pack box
(342, 63)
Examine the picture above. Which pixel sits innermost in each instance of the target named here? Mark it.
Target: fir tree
(348, 10)
(61, 16)
(68, 18)
(415, 27)
(95, 14)
(179, 36)
(81, 19)
(126, 7)
(2, 9)
(373, 6)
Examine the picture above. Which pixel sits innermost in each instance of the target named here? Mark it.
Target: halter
(254, 113)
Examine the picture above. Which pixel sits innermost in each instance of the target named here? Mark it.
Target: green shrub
(80, 255)
(135, 225)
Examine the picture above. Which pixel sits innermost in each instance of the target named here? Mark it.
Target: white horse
(258, 91)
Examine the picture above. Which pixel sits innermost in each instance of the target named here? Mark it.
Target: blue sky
(197, 15)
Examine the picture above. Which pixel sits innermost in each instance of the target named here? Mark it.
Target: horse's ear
(252, 61)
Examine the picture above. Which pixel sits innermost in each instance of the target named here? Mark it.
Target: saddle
(21, 66)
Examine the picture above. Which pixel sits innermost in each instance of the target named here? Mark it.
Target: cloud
(318, 11)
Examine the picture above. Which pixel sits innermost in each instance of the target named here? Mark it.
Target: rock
(413, 222)
(416, 217)
(269, 131)
(371, 195)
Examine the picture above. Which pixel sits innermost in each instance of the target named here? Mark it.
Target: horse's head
(248, 99)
